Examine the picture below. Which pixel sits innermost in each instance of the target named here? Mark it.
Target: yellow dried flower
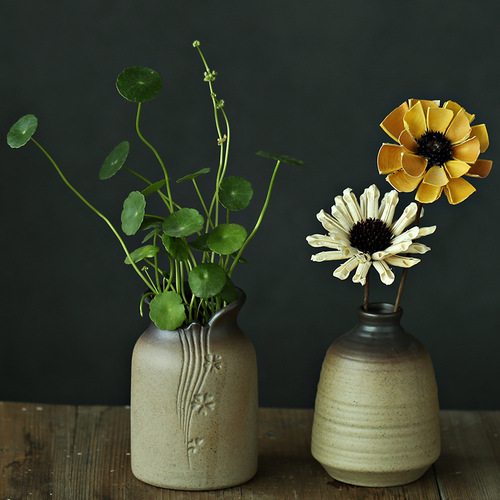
(436, 147)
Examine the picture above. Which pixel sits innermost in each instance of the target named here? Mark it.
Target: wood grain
(83, 453)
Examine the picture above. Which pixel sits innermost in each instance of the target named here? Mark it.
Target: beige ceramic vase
(194, 405)
(376, 419)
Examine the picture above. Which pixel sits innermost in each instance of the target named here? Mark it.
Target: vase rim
(377, 309)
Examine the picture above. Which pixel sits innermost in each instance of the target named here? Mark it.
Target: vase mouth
(384, 309)
(234, 305)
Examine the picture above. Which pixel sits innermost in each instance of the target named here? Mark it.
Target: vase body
(376, 419)
(194, 405)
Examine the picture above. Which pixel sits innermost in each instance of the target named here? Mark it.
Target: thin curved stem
(169, 202)
(115, 232)
(259, 220)
(405, 271)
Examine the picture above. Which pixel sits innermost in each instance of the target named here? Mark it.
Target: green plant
(182, 246)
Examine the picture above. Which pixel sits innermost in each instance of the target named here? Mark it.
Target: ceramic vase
(194, 405)
(376, 420)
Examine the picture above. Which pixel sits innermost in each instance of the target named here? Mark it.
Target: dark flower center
(435, 147)
(370, 236)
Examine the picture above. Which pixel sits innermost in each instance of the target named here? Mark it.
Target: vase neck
(379, 319)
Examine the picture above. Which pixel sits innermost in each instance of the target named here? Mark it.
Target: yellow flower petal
(414, 121)
(436, 176)
(480, 169)
(393, 122)
(413, 165)
(482, 134)
(403, 182)
(456, 168)
(467, 151)
(426, 104)
(407, 141)
(438, 119)
(457, 190)
(389, 158)
(427, 193)
(455, 107)
(459, 128)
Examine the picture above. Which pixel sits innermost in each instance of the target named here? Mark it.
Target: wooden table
(82, 453)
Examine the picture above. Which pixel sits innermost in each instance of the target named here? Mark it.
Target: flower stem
(170, 203)
(259, 220)
(405, 271)
(115, 232)
(367, 291)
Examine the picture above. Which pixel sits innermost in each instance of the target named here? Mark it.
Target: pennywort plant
(188, 255)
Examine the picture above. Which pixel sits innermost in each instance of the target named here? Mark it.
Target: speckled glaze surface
(376, 419)
(194, 405)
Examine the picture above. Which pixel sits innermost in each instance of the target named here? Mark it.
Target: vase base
(376, 479)
(193, 485)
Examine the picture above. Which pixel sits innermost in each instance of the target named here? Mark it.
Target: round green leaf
(144, 252)
(20, 133)
(200, 243)
(153, 188)
(150, 222)
(281, 158)
(139, 84)
(227, 238)
(133, 212)
(114, 161)
(167, 311)
(176, 247)
(235, 193)
(207, 280)
(184, 222)
(190, 177)
(229, 293)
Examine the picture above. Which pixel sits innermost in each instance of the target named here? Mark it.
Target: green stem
(209, 221)
(157, 276)
(115, 232)
(169, 201)
(147, 181)
(259, 220)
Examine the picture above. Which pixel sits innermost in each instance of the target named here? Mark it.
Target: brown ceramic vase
(194, 405)
(376, 420)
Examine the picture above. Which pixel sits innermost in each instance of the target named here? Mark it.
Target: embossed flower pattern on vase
(203, 403)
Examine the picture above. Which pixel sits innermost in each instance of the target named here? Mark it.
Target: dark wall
(309, 79)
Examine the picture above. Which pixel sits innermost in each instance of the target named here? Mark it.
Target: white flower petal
(343, 219)
(424, 231)
(369, 202)
(418, 248)
(329, 222)
(331, 255)
(388, 207)
(361, 272)
(386, 275)
(398, 260)
(408, 235)
(352, 205)
(407, 217)
(392, 250)
(321, 240)
(342, 272)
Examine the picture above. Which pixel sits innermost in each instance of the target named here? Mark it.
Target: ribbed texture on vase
(376, 420)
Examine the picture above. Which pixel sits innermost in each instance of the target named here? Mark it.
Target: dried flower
(364, 234)
(436, 147)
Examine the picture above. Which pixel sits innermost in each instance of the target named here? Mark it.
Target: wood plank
(68, 452)
(468, 467)
(34, 443)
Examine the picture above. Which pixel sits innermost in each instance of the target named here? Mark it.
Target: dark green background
(309, 79)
